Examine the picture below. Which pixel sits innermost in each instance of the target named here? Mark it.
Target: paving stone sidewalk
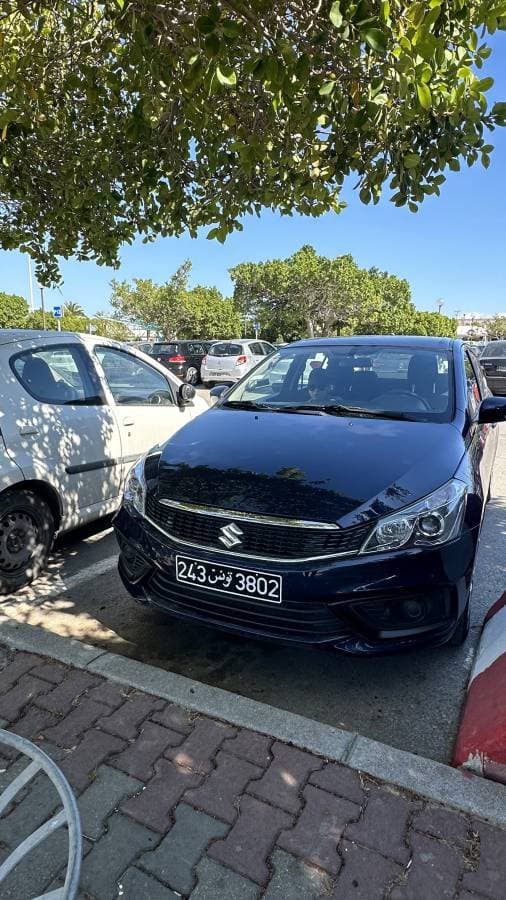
(175, 804)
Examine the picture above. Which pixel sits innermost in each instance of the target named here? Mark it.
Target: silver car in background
(227, 361)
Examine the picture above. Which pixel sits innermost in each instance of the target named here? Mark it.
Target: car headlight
(434, 520)
(134, 495)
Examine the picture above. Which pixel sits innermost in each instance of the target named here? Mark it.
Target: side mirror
(218, 390)
(185, 394)
(492, 409)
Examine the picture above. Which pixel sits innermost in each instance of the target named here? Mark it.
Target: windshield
(226, 350)
(400, 381)
(495, 349)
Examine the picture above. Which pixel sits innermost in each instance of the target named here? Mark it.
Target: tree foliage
(120, 117)
(13, 311)
(71, 308)
(118, 331)
(311, 295)
(176, 311)
(497, 328)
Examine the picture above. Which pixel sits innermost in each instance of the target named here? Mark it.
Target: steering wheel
(159, 398)
(388, 401)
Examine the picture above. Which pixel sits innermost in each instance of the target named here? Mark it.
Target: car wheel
(192, 375)
(461, 632)
(26, 535)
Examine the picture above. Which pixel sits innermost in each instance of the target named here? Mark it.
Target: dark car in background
(332, 498)
(493, 361)
(182, 358)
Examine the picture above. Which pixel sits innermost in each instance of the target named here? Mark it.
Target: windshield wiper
(339, 409)
(245, 404)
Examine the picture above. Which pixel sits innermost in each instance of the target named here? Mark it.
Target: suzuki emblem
(231, 535)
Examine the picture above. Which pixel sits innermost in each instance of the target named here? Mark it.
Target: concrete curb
(456, 788)
(481, 740)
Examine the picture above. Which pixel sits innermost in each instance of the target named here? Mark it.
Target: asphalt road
(412, 701)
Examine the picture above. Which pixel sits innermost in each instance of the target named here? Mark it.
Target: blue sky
(453, 249)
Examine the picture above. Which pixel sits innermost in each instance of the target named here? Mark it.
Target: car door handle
(128, 421)
(28, 429)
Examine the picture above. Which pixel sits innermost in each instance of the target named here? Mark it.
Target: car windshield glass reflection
(401, 382)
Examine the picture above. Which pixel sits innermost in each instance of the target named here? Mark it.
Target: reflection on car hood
(317, 468)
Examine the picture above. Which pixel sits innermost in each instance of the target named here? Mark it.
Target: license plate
(229, 579)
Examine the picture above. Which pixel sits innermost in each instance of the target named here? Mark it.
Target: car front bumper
(354, 604)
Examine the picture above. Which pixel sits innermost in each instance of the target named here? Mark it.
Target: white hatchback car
(75, 414)
(228, 361)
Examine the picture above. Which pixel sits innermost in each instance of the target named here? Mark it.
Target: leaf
(376, 39)
(484, 84)
(424, 95)
(226, 76)
(412, 160)
(327, 88)
(335, 14)
(205, 24)
(454, 165)
(212, 43)
(230, 28)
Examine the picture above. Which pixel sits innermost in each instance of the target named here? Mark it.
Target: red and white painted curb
(481, 741)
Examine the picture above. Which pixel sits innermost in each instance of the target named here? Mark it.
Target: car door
(143, 398)
(481, 436)
(488, 432)
(58, 427)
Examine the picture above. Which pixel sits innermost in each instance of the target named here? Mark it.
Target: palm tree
(73, 309)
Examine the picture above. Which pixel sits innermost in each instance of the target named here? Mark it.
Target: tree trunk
(309, 326)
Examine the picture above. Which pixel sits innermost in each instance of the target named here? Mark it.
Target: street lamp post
(42, 307)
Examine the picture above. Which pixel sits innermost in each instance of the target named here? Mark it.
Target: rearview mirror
(218, 390)
(185, 394)
(492, 409)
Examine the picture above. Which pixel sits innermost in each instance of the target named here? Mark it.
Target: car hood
(318, 468)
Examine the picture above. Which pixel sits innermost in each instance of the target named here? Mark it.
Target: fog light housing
(414, 610)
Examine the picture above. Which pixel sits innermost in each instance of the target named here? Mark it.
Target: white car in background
(76, 412)
(228, 361)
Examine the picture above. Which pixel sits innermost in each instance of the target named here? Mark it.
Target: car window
(473, 388)
(226, 350)
(171, 349)
(495, 349)
(257, 349)
(194, 349)
(132, 381)
(268, 348)
(401, 380)
(59, 375)
(478, 371)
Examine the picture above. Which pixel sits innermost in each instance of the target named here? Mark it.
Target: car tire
(27, 530)
(192, 375)
(461, 632)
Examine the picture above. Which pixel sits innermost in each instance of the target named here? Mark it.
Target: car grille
(304, 622)
(259, 539)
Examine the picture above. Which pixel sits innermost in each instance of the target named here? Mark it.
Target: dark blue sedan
(333, 498)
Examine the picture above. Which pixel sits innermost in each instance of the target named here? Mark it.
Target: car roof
(385, 340)
(18, 335)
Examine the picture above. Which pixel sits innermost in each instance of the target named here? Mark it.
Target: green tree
(305, 294)
(435, 324)
(135, 116)
(209, 315)
(70, 308)
(148, 303)
(13, 311)
(497, 328)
